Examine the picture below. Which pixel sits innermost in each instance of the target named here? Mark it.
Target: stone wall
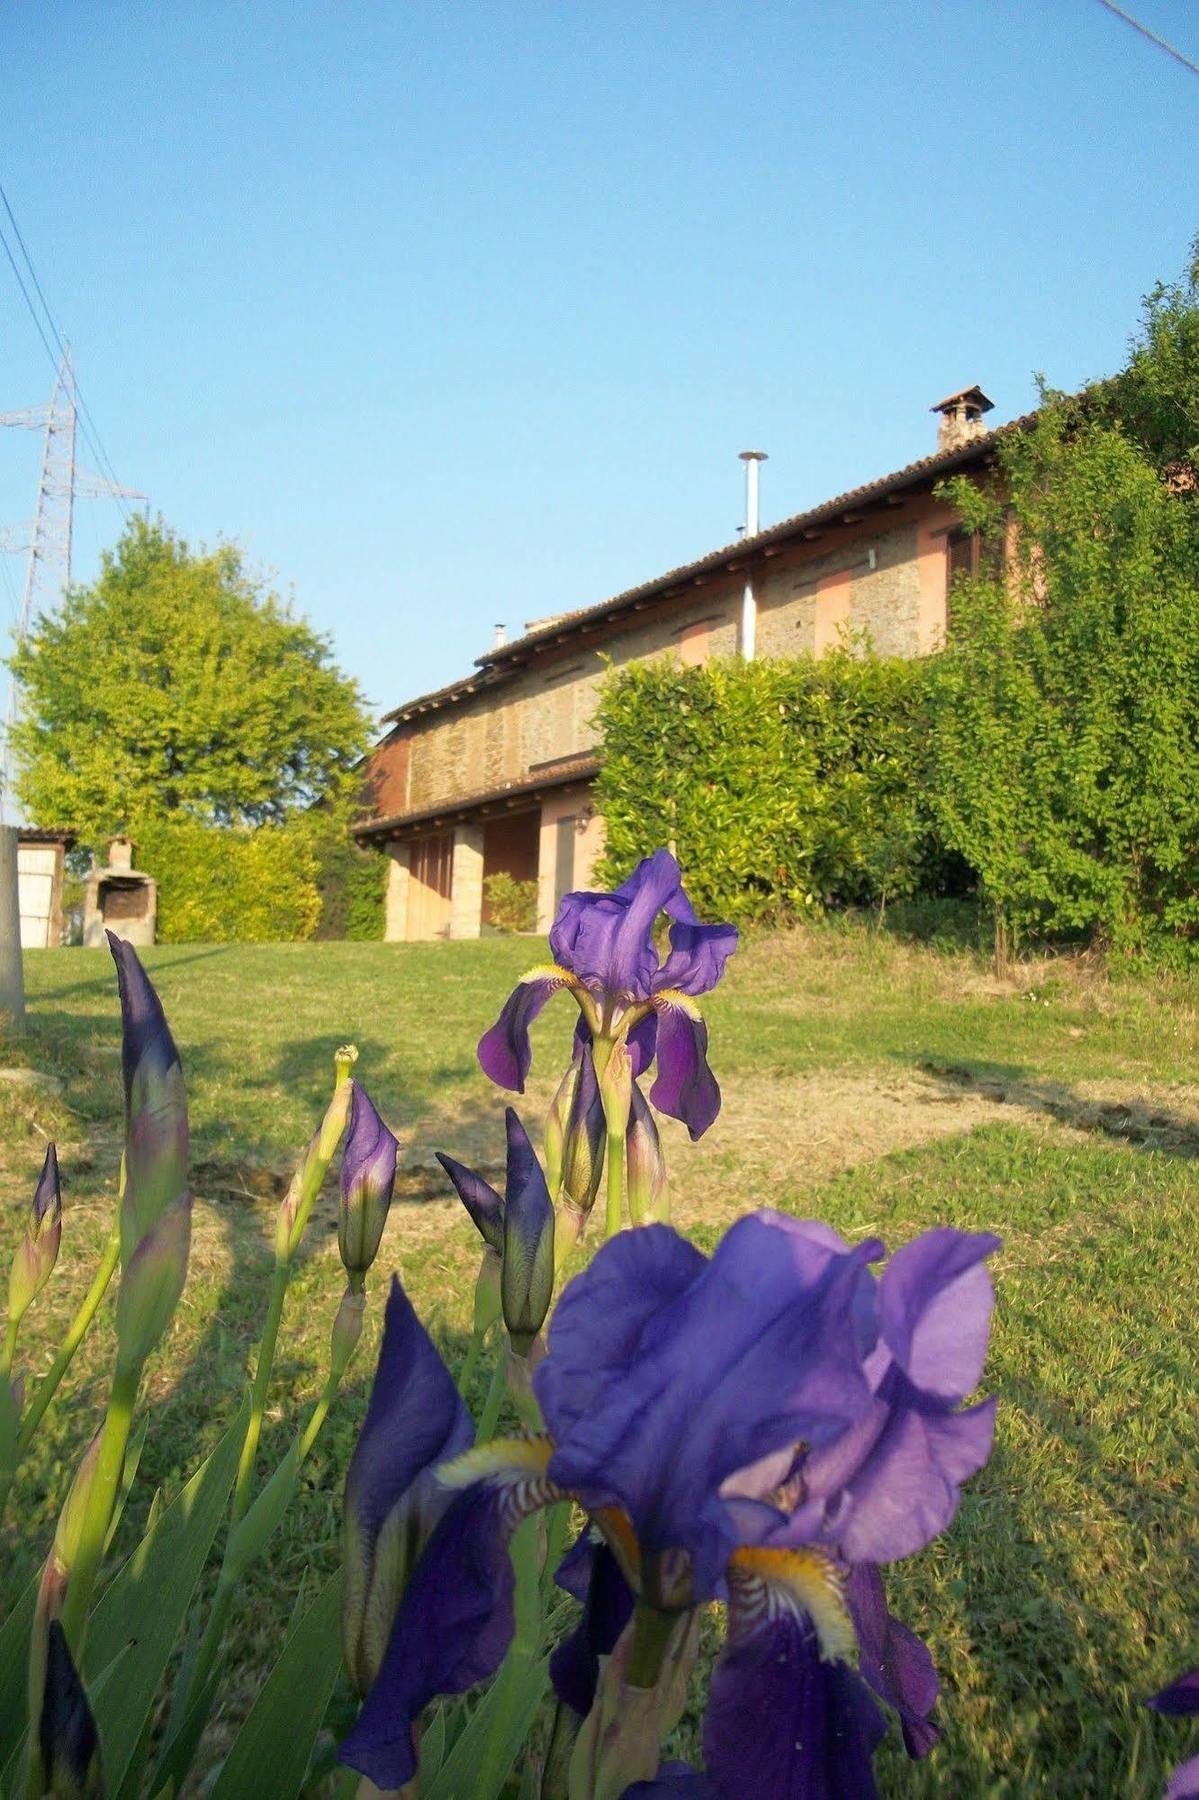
(884, 577)
(544, 713)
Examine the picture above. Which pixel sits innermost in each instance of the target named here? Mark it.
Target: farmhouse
(492, 774)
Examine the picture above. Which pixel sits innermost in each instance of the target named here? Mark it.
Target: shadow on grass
(1146, 1126)
(103, 974)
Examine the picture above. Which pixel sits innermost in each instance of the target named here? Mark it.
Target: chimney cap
(972, 398)
(753, 456)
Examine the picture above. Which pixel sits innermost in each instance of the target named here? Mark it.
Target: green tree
(1066, 705)
(177, 686)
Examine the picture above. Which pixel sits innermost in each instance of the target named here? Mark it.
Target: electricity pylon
(48, 571)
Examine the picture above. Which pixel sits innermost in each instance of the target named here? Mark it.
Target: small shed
(120, 899)
(41, 857)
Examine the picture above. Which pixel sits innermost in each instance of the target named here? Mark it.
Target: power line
(90, 429)
(1152, 36)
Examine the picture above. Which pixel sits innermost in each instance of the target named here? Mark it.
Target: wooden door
(430, 881)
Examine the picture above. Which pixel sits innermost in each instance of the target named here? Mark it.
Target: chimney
(961, 417)
(751, 459)
(501, 635)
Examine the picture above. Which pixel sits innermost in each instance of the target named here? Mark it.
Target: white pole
(749, 605)
(12, 983)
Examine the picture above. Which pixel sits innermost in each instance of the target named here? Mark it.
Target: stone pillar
(12, 980)
(466, 890)
(395, 918)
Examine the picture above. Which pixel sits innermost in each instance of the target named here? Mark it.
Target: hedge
(783, 786)
(225, 885)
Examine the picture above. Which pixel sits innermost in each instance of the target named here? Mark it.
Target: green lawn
(886, 1087)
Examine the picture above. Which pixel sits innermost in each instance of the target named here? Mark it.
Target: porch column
(466, 890)
(395, 916)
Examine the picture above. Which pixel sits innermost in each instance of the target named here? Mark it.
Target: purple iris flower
(1181, 1700)
(686, 1401)
(414, 1421)
(604, 953)
(667, 1373)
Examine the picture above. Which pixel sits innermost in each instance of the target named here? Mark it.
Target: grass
(883, 1085)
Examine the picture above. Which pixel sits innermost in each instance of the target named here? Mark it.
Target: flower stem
(492, 1404)
(613, 1218)
(652, 1632)
(262, 1381)
(467, 1371)
(222, 1600)
(76, 1333)
(100, 1501)
(320, 1412)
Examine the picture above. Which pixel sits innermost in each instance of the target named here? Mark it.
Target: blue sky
(460, 313)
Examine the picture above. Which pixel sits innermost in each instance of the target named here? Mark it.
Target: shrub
(511, 904)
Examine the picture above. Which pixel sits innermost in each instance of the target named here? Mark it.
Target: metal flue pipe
(749, 605)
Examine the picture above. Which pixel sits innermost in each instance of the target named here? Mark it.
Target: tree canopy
(177, 685)
(1066, 705)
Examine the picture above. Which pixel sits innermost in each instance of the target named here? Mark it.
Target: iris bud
(554, 1141)
(616, 1089)
(527, 1271)
(68, 1738)
(649, 1203)
(56, 1571)
(488, 1306)
(37, 1252)
(368, 1173)
(313, 1166)
(151, 1283)
(631, 1716)
(583, 1151)
(480, 1200)
(347, 1329)
(156, 1204)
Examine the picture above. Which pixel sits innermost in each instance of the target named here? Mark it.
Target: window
(970, 555)
(967, 553)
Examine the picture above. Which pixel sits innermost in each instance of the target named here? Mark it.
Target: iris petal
(1184, 1784)
(934, 1307)
(415, 1420)
(893, 1660)
(607, 939)
(892, 1482)
(607, 1609)
(504, 1051)
(453, 1627)
(698, 954)
(685, 1086)
(455, 1621)
(787, 1719)
(1181, 1698)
